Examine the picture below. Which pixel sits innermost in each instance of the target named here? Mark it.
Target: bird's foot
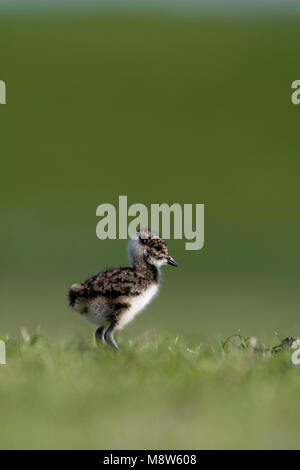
(99, 335)
(109, 338)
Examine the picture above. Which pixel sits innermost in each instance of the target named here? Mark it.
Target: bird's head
(151, 248)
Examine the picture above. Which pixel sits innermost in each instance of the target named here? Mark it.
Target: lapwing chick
(112, 298)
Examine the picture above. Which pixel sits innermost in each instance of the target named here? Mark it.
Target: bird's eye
(159, 248)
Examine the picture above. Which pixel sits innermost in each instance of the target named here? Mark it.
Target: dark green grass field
(162, 109)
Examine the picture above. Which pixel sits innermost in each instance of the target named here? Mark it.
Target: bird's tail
(74, 292)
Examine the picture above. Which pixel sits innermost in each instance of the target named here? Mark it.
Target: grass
(159, 392)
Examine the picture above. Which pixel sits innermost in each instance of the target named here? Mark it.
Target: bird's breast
(137, 304)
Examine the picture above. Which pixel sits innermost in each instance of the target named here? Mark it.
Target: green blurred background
(163, 108)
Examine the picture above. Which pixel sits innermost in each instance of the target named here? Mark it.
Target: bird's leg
(99, 335)
(109, 338)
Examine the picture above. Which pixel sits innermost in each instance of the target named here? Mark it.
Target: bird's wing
(115, 283)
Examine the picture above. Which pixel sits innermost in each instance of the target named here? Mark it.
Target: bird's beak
(171, 261)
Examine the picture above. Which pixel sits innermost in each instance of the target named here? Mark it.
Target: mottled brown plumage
(114, 296)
